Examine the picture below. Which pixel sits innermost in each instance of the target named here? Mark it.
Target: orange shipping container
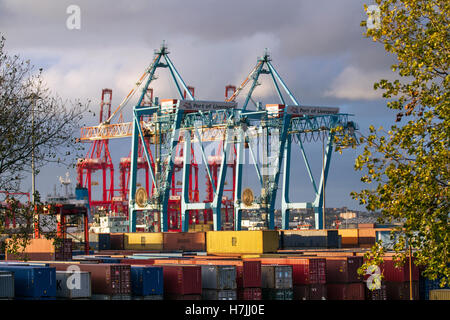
(366, 236)
(36, 249)
(186, 241)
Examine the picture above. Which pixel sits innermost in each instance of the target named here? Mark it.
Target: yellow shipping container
(440, 294)
(143, 241)
(349, 236)
(249, 242)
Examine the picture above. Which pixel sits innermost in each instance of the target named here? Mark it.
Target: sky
(317, 47)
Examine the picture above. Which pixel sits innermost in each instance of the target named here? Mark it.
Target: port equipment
(279, 125)
(188, 121)
(99, 158)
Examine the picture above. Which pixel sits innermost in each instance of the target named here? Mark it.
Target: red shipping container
(310, 292)
(344, 270)
(182, 279)
(400, 290)
(138, 261)
(308, 270)
(401, 274)
(346, 291)
(377, 294)
(182, 296)
(249, 294)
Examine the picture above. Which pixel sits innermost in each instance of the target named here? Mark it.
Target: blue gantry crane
(275, 127)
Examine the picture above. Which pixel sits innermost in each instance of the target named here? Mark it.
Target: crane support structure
(173, 124)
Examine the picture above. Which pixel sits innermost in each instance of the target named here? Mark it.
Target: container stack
(147, 282)
(6, 285)
(343, 281)
(309, 278)
(294, 239)
(397, 280)
(277, 282)
(104, 241)
(108, 281)
(182, 282)
(32, 282)
(70, 285)
(63, 251)
(219, 282)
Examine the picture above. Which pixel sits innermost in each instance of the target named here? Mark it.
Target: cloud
(356, 84)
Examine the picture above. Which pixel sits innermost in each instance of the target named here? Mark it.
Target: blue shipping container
(146, 281)
(104, 241)
(33, 281)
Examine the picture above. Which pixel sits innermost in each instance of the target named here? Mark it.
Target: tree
(409, 164)
(30, 115)
(32, 118)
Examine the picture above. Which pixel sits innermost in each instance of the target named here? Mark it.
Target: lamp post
(34, 97)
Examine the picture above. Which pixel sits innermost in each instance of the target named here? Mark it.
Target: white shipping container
(70, 287)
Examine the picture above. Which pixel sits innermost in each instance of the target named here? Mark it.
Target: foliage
(23, 215)
(409, 164)
(24, 97)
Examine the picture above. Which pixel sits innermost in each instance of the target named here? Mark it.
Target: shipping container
(143, 241)
(211, 294)
(426, 285)
(150, 297)
(33, 281)
(308, 270)
(249, 294)
(277, 294)
(147, 281)
(116, 241)
(218, 277)
(248, 272)
(377, 294)
(106, 279)
(185, 241)
(182, 279)
(366, 236)
(6, 284)
(440, 294)
(104, 241)
(366, 225)
(349, 237)
(111, 297)
(401, 291)
(310, 292)
(343, 270)
(171, 296)
(292, 239)
(70, 285)
(258, 241)
(346, 291)
(276, 276)
(392, 273)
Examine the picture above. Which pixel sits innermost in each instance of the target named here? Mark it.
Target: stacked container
(277, 282)
(219, 282)
(70, 285)
(6, 285)
(63, 251)
(295, 239)
(397, 280)
(147, 283)
(104, 241)
(248, 276)
(116, 241)
(185, 241)
(106, 279)
(32, 282)
(343, 281)
(309, 278)
(182, 282)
